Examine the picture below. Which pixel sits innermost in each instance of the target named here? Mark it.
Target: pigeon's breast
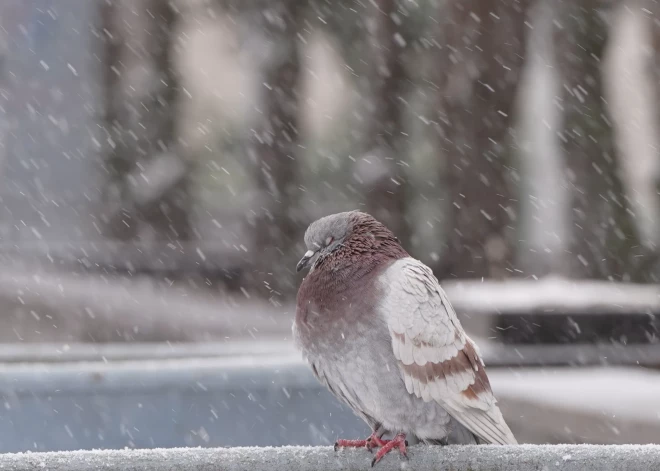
(336, 327)
(333, 304)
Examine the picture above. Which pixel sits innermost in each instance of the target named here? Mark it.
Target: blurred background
(161, 159)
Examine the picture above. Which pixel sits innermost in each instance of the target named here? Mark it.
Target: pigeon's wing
(437, 360)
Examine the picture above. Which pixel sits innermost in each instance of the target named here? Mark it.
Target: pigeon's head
(326, 235)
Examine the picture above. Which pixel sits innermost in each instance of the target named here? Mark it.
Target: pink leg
(370, 443)
(398, 441)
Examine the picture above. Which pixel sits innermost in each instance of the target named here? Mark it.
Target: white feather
(418, 311)
(406, 352)
(418, 356)
(426, 392)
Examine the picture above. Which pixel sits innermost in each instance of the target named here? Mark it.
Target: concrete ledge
(422, 458)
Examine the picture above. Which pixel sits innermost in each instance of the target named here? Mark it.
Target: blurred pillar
(381, 170)
(632, 100)
(604, 241)
(273, 149)
(4, 92)
(652, 8)
(544, 204)
(482, 57)
(148, 183)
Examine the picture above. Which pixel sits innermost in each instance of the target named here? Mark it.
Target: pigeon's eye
(329, 240)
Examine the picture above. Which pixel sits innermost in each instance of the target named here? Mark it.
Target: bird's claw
(374, 441)
(399, 441)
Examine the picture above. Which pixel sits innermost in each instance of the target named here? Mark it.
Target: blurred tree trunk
(4, 93)
(483, 53)
(544, 203)
(273, 150)
(604, 242)
(632, 99)
(148, 183)
(381, 171)
(652, 265)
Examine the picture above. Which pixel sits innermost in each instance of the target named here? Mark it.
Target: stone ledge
(422, 458)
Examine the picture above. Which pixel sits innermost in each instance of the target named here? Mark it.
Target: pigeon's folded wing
(437, 360)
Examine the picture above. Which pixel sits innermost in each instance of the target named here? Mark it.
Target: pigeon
(380, 333)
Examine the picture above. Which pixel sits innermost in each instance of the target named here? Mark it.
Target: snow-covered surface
(60, 310)
(57, 306)
(498, 354)
(628, 392)
(474, 296)
(247, 372)
(107, 352)
(421, 458)
(493, 353)
(89, 307)
(525, 296)
(592, 405)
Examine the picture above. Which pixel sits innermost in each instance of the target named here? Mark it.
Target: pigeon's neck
(338, 289)
(353, 265)
(342, 284)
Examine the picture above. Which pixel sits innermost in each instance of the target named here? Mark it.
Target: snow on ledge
(588, 296)
(422, 458)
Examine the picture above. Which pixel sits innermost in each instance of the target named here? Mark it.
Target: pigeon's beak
(304, 262)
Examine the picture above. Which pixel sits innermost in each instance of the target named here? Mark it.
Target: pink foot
(370, 443)
(388, 445)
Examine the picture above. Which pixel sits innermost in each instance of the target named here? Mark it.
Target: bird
(380, 333)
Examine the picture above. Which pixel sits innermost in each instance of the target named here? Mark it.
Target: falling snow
(160, 163)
